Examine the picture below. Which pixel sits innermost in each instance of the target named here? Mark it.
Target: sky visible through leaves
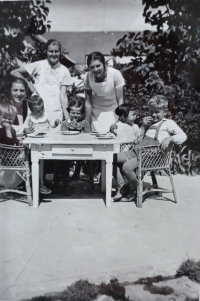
(97, 15)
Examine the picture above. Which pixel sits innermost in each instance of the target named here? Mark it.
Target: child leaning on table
(76, 122)
(156, 130)
(37, 120)
(127, 132)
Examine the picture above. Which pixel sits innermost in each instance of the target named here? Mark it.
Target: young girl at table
(37, 120)
(128, 133)
(76, 122)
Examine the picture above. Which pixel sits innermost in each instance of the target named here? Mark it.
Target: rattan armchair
(16, 158)
(152, 159)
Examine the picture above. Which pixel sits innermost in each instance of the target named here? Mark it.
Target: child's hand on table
(29, 130)
(113, 127)
(73, 124)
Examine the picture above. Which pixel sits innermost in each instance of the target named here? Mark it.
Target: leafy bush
(83, 290)
(191, 269)
(166, 62)
(185, 161)
(18, 20)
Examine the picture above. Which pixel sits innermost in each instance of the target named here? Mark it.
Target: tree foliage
(167, 61)
(19, 19)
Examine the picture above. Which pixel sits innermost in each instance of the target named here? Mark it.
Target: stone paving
(43, 250)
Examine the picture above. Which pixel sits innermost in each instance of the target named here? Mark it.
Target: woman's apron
(104, 103)
(48, 87)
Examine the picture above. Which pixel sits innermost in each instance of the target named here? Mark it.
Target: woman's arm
(88, 105)
(119, 95)
(64, 101)
(22, 73)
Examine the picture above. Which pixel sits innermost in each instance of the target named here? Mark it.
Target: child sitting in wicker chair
(156, 130)
(127, 132)
(8, 112)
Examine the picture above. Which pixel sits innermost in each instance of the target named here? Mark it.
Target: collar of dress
(38, 120)
(49, 66)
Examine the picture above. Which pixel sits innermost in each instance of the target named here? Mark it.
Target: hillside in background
(80, 43)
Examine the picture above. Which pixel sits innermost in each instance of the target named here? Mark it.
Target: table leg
(103, 176)
(108, 183)
(35, 175)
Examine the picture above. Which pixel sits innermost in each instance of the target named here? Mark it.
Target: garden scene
(72, 247)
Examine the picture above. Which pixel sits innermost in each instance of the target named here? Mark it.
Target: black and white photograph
(100, 150)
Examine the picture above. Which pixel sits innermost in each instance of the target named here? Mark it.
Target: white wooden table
(72, 147)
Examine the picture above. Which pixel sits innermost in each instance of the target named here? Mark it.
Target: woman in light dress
(103, 91)
(50, 79)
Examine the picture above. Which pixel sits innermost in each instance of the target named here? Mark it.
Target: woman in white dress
(50, 80)
(103, 91)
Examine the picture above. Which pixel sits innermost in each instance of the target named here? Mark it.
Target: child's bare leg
(120, 179)
(119, 159)
(128, 169)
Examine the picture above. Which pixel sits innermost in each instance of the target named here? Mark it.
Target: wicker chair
(126, 146)
(16, 158)
(150, 160)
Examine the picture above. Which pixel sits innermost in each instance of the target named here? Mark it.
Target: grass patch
(113, 289)
(191, 269)
(83, 290)
(151, 280)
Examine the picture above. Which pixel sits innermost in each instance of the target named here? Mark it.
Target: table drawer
(72, 149)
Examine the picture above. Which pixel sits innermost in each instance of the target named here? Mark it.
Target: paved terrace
(44, 250)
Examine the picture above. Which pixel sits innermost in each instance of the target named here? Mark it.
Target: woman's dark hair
(77, 103)
(35, 100)
(53, 42)
(123, 110)
(95, 56)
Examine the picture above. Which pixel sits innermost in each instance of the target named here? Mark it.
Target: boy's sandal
(45, 190)
(130, 197)
(121, 192)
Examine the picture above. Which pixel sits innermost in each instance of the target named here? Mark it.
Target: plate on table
(99, 134)
(69, 132)
(106, 137)
(38, 135)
